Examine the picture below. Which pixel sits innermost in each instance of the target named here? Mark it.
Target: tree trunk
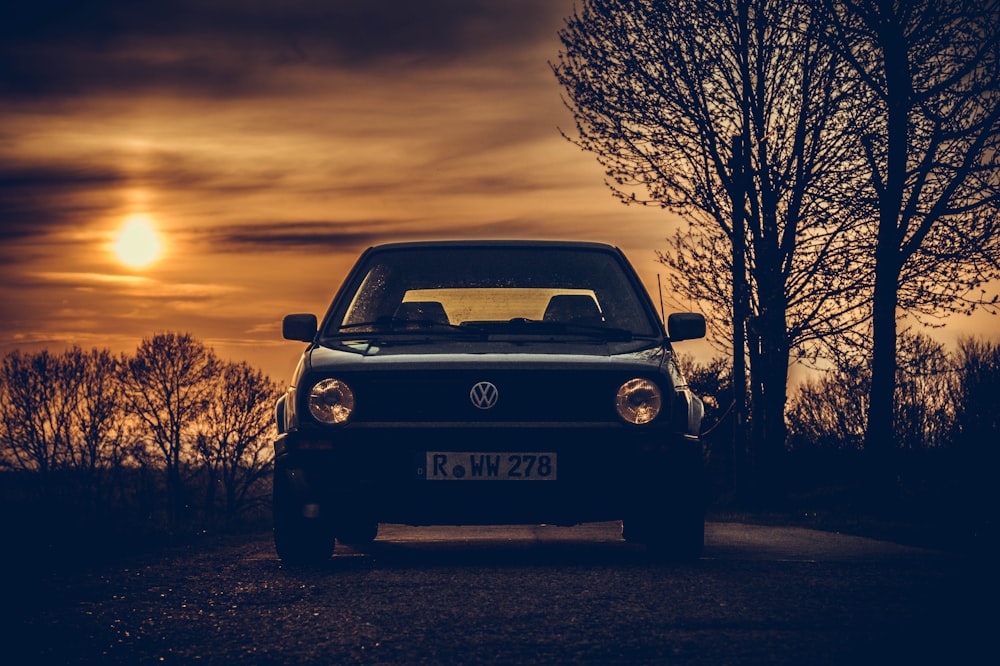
(880, 440)
(174, 502)
(738, 193)
(211, 491)
(769, 376)
(879, 436)
(174, 484)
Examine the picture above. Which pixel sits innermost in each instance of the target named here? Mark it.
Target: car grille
(522, 395)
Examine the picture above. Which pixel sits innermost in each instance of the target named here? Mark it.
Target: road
(516, 595)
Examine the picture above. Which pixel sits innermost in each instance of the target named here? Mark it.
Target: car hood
(353, 356)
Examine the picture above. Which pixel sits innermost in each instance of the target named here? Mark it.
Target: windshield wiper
(518, 325)
(391, 325)
(610, 333)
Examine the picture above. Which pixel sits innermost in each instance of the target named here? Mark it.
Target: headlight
(331, 401)
(638, 401)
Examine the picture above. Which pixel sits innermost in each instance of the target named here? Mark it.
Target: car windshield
(510, 290)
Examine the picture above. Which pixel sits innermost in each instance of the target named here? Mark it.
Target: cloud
(271, 141)
(341, 236)
(37, 197)
(131, 286)
(220, 48)
(87, 280)
(218, 109)
(294, 235)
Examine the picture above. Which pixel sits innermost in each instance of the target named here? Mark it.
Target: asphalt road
(516, 595)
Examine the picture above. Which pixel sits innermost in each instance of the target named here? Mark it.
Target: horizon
(207, 168)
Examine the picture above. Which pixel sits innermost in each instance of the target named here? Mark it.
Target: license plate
(490, 466)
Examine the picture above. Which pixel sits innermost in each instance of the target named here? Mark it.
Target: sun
(137, 243)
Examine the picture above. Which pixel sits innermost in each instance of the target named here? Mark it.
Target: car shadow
(402, 547)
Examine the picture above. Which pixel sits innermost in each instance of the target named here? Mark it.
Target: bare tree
(926, 385)
(234, 438)
(105, 431)
(977, 422)
(731, 112)
(98, 416)
(64, 413)
(38, 396)
(168, 384)
(830, 411)
(976, 432)
(930, 70)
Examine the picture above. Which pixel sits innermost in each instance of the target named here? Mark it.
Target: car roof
(591, 245)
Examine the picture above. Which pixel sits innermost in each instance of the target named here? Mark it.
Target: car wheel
(669, 509)
(357, 532)
(298, 540)
(679, 536)
(679, 539)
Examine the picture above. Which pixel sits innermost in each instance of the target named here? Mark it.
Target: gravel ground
(531, 596)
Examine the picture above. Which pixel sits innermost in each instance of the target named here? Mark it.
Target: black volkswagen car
(488, 382)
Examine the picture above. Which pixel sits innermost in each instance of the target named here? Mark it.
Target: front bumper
(380, 472)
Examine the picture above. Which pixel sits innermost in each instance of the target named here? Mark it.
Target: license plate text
(492, 466)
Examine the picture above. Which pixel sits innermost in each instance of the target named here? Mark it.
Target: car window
(497, 303)
(457, 285)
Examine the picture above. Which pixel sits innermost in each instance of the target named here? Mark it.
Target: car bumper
(382, 472)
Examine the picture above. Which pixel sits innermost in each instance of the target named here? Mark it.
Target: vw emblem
(484, 395)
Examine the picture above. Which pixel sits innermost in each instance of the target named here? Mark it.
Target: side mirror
(685, 326)
(300, 327)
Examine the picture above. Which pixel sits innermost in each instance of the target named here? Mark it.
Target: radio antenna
(659, 289)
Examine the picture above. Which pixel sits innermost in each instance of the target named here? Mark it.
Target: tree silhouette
(828, 412)
(168, 385)
(98, 421)
(976, 432)
(977, 418)
(234, 435)
(732, 112)
(93, 438)
(38, 395)
(929, 72)
(926, 385)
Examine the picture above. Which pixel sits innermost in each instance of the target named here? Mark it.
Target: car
(488, 382)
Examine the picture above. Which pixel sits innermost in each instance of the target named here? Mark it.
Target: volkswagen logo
(484, 395)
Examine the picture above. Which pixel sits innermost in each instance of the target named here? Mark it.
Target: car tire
(357, 532)
(297, 539)
(678, 535)
(669, 513)
(680, 538)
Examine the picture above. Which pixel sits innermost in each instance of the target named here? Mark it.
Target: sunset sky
(263, 145)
